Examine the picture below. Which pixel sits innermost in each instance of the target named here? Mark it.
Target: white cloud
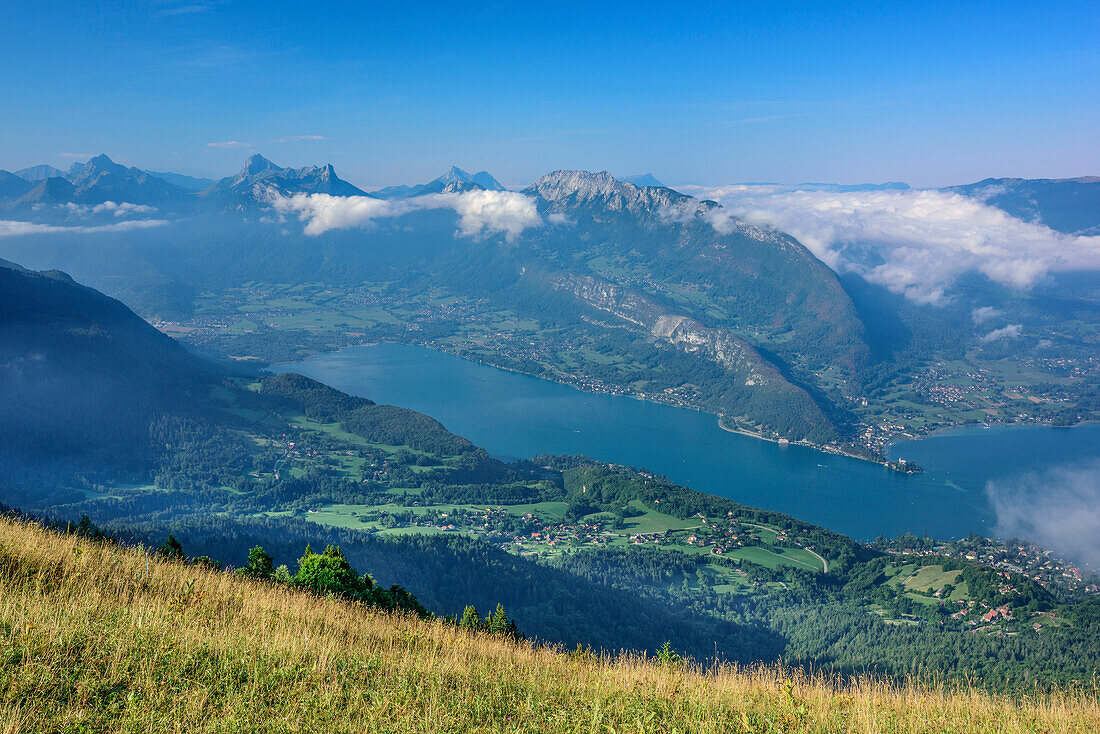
(481, 213)
(322, 212)
(913, 242)
(11, 228)
(1059, 509)
(1012, 331)
(229, 144)
(484, 213)
(120, 210)
(983, 314)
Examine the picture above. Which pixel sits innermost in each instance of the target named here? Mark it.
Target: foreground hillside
(94, 637)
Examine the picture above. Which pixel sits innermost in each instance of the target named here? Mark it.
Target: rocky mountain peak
(568, 189)
(257, 164)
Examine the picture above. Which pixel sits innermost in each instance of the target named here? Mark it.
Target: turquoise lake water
(516, 415)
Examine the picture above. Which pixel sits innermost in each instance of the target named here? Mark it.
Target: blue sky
(929, 93)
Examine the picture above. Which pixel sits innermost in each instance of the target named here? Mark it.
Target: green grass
(654, 522)
(929, 577)
(545, 511)
(795, 557)
(98, 638)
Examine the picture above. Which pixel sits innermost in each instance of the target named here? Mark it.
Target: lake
(517, 415)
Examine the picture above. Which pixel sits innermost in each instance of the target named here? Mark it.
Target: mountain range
(1066, 205)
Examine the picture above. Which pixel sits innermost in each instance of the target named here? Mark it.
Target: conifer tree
(498, 623)
(471, 620)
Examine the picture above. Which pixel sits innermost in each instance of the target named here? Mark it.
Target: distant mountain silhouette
(453, 181)
(645, 179)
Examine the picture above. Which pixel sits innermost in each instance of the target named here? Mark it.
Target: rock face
(756, 387)
(565, 190)
(259, 177)
(683, 332)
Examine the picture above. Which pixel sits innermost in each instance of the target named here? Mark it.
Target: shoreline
(804, 444)
(626, 394)
(720, 418)
(992, 425)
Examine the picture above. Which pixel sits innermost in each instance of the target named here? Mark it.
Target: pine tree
(498, 623)
(471, 620)
(171, 548)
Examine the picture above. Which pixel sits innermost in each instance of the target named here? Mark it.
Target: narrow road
(824, 563)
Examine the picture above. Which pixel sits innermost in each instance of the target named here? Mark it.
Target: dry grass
(94, 638)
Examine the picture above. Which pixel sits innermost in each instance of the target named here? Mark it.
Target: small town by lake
(515, 415)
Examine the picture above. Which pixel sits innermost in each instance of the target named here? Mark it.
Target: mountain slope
(1070, 205)
(713, 287)
(36, 174)
(100, 180)
(208, 651)
(81, 374)
(12, 186)
(53, 190)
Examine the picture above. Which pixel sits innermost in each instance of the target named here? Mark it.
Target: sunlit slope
(97, 638)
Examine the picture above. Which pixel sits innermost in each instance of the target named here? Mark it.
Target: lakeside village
(1013, 556)
(530, 534)
(534, 533)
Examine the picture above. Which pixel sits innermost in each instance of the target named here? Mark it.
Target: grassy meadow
(96, 638)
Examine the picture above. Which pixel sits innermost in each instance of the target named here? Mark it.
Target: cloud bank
(480, 213)
(123, 209)
(912, 242)
(11, 228)
(1059, 509)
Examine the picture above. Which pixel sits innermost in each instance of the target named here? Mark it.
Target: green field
(775, 557)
